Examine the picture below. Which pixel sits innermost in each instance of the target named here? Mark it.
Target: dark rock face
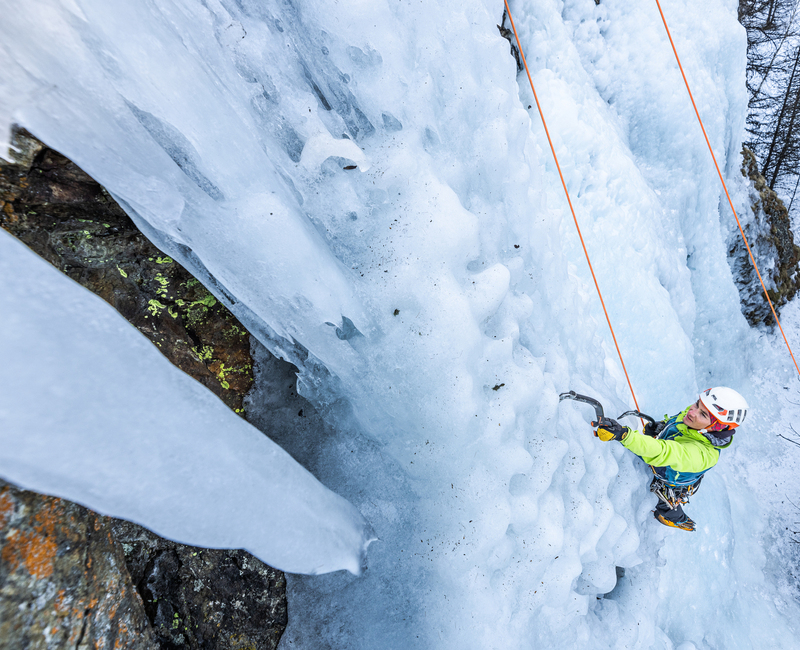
(508, 34)
(70, 578)
(773, 246)
(63, 581)
(61, 213)
(204, 598)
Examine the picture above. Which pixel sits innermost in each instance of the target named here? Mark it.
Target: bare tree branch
(794, 442)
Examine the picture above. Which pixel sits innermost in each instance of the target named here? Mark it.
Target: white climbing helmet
(726, 407)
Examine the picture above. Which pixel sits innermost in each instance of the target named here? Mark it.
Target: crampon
(686, 524)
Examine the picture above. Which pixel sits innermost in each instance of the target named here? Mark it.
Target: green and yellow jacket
(680, 455)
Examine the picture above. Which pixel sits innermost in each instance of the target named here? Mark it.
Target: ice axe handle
(598, 407)
(638, 415)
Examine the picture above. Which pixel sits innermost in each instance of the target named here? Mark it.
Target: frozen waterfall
(366, 186)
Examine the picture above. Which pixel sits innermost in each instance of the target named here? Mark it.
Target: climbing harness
(575, 218)
(672, 495)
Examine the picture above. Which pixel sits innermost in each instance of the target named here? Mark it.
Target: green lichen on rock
(163, 283)
(772, 241)
(206, 352)
(70, 220)
(197, 311)
(222, 372)
(155, 308)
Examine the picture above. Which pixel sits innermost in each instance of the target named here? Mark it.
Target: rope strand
(569, 201)
(725, 187)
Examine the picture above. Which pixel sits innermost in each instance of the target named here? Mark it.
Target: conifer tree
(773, 84)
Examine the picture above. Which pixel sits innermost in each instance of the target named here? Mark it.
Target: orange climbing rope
(566, 192)
(714, 158)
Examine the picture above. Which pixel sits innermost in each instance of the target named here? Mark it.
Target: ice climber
(682, 448)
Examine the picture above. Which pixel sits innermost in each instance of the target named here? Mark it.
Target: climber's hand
(608, 429)
(653, 430)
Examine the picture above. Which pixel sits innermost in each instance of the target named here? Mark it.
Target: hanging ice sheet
(94, 413)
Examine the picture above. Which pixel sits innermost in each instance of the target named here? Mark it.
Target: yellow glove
(608, 429)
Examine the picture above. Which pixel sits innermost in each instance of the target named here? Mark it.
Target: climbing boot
(684, 524)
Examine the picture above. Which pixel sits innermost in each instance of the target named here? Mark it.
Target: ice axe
(598, 408)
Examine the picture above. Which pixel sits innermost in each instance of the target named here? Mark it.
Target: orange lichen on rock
(41, 552)
(39, 556)
(122, 636)
(35, 551)
(60, 604)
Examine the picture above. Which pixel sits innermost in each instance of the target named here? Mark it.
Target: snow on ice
(364, 185)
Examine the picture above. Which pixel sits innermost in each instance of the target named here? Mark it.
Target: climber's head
(717, 409)
(697, 417)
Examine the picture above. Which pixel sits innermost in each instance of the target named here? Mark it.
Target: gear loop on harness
(672, 495)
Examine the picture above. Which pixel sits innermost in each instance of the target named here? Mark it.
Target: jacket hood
(719, 439)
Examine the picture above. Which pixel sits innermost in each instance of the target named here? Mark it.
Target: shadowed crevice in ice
(323, 78)
(265, 108)
(333, 95)
(391, 123)
(177, 147)
(347, 331)
(331, 444)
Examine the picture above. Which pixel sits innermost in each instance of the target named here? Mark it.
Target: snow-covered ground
(368, 186)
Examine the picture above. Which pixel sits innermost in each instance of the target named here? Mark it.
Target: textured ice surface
(93, 412)
(365, 185)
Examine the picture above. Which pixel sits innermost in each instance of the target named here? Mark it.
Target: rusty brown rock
(63, 579)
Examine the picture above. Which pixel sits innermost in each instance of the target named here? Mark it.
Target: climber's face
(697, 417)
